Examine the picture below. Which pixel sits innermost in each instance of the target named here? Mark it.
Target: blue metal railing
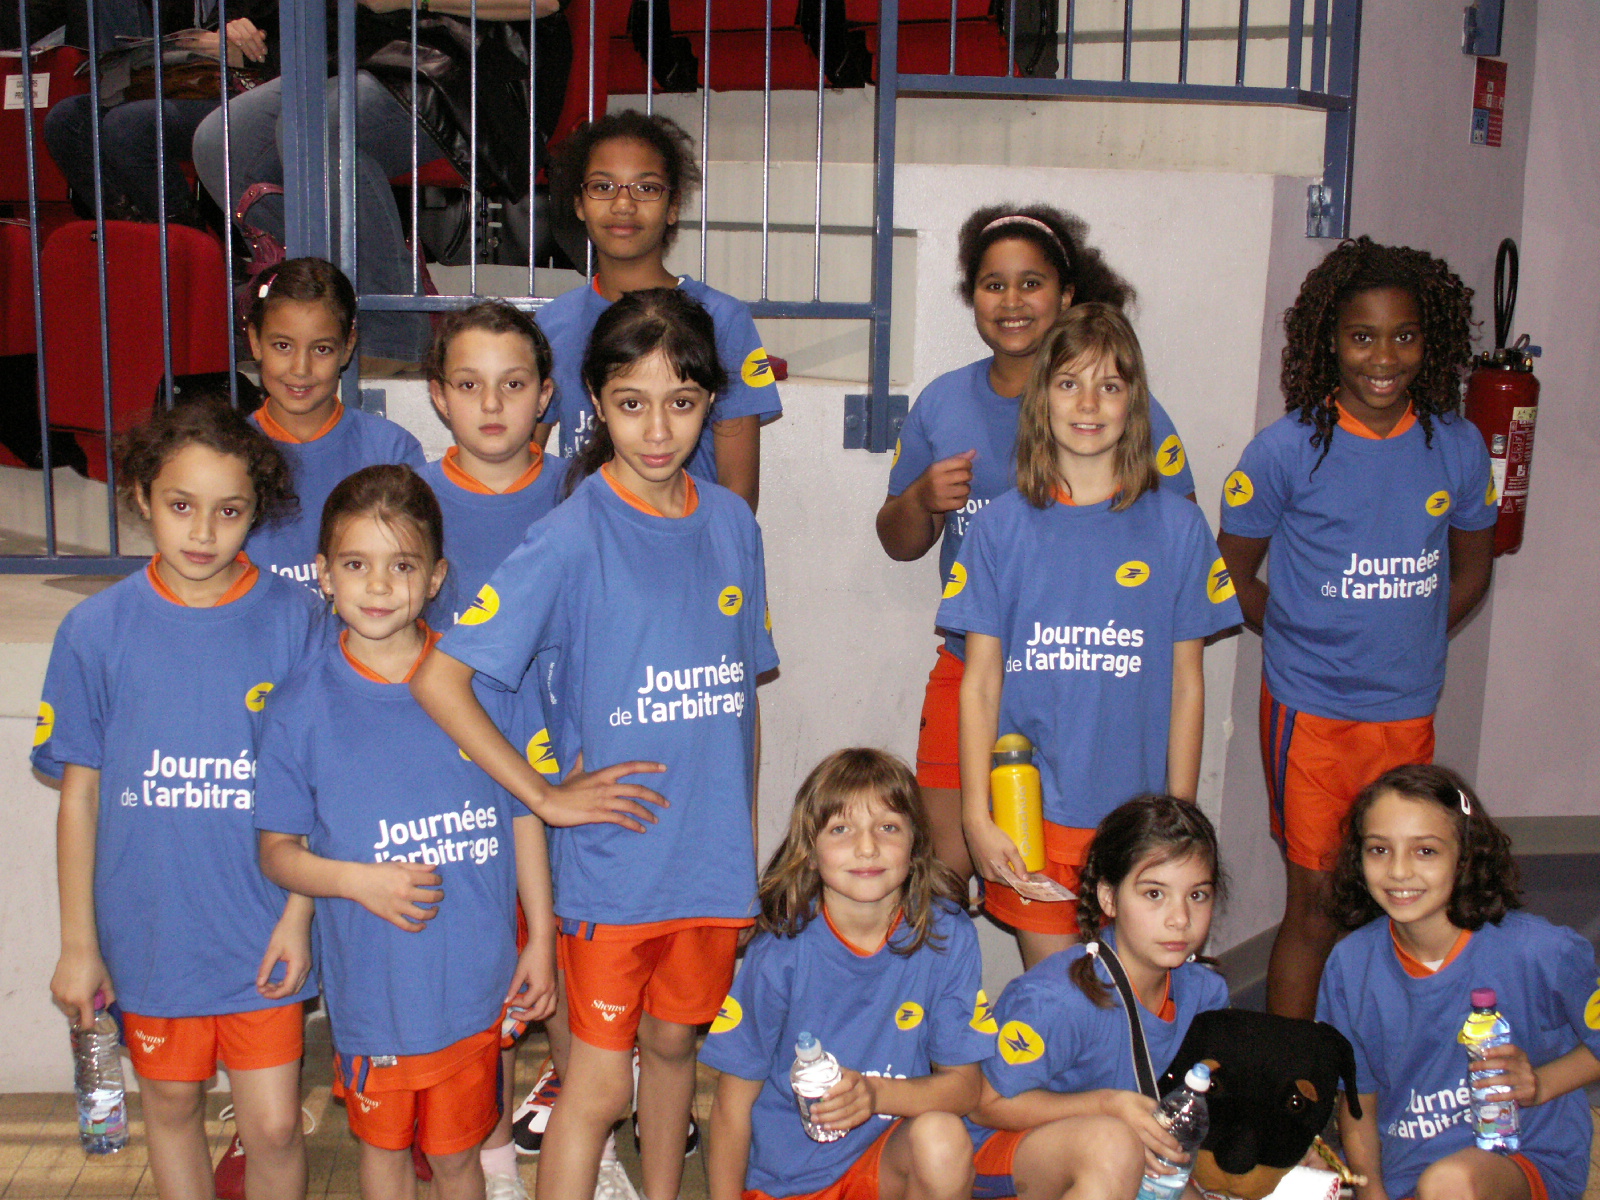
(1332, 29)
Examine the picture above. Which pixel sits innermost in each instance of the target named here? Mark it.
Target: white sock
(499, 1160)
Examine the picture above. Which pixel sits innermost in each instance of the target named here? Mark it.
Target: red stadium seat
(56, 66)
(198, 285)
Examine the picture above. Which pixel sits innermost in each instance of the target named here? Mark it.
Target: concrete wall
(1541, 718)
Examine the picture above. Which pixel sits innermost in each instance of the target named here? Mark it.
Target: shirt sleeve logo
(728, 1016)
(768, 620)
(983, 1014)
(957, 581)
(482, 609)
(1219, 582)
(44, 724)
(1238, 489)
(1439, 503)
(540, 756)
(757, 369)
(1591, 1010)
(730, 600)
(895, 461)
(908, 1015)
(256, 698)
(1132, 573)
(1170, 458)
(1491, 495)
(1019, 1043)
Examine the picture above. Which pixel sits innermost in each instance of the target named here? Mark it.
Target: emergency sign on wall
(1488, 102)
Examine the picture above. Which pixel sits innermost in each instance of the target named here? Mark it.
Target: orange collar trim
(1350, 424)
(240, 586)
(430, 638)
(691, 494)
(1062, 496)
(279, 434)
(1415, 967)
(450, 464)
(851, 946)
(1167, 1009)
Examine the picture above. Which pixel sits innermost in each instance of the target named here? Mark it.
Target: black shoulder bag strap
(1142, 1069)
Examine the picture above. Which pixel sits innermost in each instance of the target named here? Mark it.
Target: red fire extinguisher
(1503, 402)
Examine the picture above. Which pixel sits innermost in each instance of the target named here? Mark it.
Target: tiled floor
(40, 1156)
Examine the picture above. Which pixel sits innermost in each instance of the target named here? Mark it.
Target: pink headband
(1020, 219)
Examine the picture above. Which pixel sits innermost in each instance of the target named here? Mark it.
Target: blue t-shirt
(1087, 603)
(1053, 1037)
(361, 771)
(481, 529)
(1404, 1033)
(1359, 566)
(961, 411)
(360, 439)
(880, 1014)
(650, 633)
(569, 319)
(165, 702)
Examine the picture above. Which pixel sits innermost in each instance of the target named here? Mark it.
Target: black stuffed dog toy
(1274, 1082)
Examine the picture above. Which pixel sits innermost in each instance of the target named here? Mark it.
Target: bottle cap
(806, 1047)
(1199, 1078)
(1484, 998)
(1012, 748)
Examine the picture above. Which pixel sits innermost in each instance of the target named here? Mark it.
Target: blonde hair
(791, 886)
(1099, 329)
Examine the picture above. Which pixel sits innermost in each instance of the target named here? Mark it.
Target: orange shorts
(1316, 767)
(1530, 1172)
(677, 971)
(939, 740)
(992, 1164)
(1066, 849)
(447, 1101)
(188, 1049)
(860, 1182)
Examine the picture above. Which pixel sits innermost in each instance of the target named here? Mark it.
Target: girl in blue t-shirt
(1428, 883)
(627, 177)
(1021, 268)
(150, 718)
(643, 598)
(414, 855)
(862, 942)
(1086, 595)
(302, 327)
(1061, 1114)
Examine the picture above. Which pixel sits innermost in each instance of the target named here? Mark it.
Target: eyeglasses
(641, 193)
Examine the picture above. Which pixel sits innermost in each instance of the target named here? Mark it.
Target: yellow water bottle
(1016, 798)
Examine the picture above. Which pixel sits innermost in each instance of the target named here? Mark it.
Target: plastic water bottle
(813, 1074)
(1184, 1115)
(97, 1079)
(1495, 1123)
(1016, 798)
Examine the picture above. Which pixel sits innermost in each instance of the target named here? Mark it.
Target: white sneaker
(504, 1187)
(529, 1119)
(613, 1182)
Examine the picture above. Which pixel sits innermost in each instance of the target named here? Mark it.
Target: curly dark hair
(635, 327)
(1487, 885)
(308, 280)
(661, 133)
(1065, 246)
(791, 887)
(217, 425)
(1310, 376)
(491, 316)
(1130, 833)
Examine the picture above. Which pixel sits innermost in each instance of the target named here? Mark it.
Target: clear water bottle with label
(1183, 1112)
(1496, 1124)
(812, 1076)
(97, 1079)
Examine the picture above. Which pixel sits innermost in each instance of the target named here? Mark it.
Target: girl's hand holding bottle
(1139, 1113)
(396, 891)
(1519, 1075)
(79, 975)
(994, 854)
(848, 1103)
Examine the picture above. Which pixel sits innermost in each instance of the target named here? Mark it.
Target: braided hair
(1131, 833)
(1311, 364)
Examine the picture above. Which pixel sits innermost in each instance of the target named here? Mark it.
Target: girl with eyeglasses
(626, 176)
